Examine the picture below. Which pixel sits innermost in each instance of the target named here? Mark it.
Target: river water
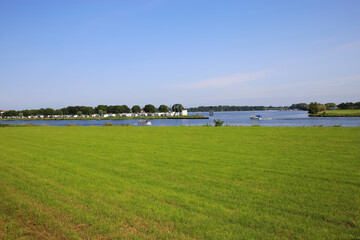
(278, 118)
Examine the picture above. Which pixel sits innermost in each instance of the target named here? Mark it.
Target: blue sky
(61, 53)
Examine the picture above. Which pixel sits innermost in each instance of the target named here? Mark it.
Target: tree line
(315, 107)
(225, 108)
(295, 106)
(100, 109)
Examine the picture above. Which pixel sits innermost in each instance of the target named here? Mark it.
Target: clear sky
(61, 53)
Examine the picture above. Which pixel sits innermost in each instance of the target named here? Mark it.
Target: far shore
(107, 118)
(338, 113)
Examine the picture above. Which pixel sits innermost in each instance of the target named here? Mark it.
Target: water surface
(241, 118)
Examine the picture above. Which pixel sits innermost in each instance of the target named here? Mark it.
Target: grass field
(179, 183)
(338, 113)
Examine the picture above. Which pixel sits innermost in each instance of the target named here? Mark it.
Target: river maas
(269, 118)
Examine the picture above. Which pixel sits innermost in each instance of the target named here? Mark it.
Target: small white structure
(184, 113)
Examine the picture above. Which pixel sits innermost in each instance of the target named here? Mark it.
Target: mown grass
(179, 183)
(338, 113)
(17, 125)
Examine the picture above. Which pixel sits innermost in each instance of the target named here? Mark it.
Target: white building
(184, 113)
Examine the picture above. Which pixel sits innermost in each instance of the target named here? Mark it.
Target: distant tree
(26, 113)
(21, 114)
(126, 109)
(79, 113)
(300, 106)
(58, 112)
(136, 109)
(86, 110)
(163, 108)
(321, 107)
(330, 105)
(73, 109)
(313, 108)
(104, 108)
(115, 109)
(177, 107)
(221, 108)
(149, 108)
(48, 111)
(34, 112)
(65, 111)
(357, 105)
(41, 111)
(101, 112)
(11, 113)
(347, 105)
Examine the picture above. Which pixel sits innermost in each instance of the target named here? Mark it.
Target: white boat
(257, 117)
(144, 123)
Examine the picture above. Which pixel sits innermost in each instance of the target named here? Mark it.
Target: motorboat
(256, 117)
(144, 123)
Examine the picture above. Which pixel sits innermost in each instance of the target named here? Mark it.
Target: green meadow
(179, 183)
(338, 113)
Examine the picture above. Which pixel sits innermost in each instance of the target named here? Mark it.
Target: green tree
(330, 105)
(21, 114)
(347, 105)
(357, 105)
(313, 108)
(125, 109)
(79, 113)
(34, 112)
(149, 108)
(65, 111)
(163, 108)
(300, 106)
(177, 107)
(73, 109)
(58, 112)
(101, 112)
(136, 109)
(104, 108)
(41, 111)
(48, 111)
(26, 113)
(10, 113)
(86, 110)
(115, 109)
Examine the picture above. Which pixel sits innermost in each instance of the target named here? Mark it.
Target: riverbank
(108, 118)
(338, 113)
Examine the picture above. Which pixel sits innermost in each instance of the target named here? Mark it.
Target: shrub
(218, 123)
(108, 124)
(313, 108)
